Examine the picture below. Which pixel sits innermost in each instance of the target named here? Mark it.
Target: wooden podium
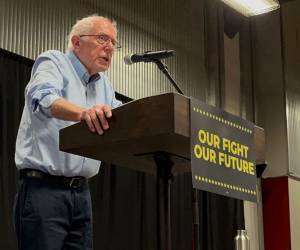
(151, 135)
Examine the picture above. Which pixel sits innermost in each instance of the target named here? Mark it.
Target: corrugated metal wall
(290, 30)
(32, 26)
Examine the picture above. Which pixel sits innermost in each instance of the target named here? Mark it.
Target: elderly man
(53, 205)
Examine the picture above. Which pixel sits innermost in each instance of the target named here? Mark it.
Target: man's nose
(109, 46)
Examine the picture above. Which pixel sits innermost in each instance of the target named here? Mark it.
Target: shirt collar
(81, 69)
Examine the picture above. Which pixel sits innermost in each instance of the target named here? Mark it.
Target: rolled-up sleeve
(45, 86)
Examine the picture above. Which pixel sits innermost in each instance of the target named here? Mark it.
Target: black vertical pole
(196, 226)
(163, 188)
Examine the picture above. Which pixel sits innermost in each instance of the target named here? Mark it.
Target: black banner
(222, 152)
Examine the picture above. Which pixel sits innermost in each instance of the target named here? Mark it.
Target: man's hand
(96, 118)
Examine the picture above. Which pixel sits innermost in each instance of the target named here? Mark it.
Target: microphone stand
(195, 197)
(164, 69)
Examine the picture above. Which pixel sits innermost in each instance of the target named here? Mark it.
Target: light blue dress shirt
(57, 75)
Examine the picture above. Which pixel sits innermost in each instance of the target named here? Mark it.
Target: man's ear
(76, 42)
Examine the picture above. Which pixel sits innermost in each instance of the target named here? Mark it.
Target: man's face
(94, 56)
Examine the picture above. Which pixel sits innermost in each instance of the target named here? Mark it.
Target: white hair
(85, 25)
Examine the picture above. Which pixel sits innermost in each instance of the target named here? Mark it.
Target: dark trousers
(52, 216)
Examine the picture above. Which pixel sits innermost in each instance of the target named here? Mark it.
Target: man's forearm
(95, 117)
(65, 110)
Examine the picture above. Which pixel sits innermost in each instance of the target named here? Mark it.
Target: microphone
(148, 56)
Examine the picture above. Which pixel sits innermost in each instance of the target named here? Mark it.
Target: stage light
(253, 7)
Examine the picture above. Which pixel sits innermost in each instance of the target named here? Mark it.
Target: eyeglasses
(104, 39)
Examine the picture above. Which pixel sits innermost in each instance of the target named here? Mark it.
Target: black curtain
(124, 201)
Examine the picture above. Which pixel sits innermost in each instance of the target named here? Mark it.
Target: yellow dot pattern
(222, 120)
(224, 185)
